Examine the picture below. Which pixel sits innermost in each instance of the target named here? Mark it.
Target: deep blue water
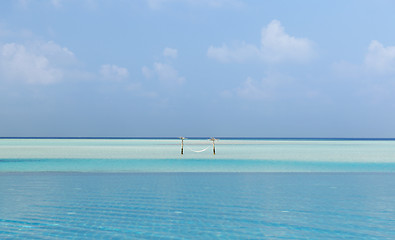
(40, 205)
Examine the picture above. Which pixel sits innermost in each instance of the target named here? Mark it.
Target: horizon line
(229, 138)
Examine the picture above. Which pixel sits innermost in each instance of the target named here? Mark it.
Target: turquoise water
(133, 155)
(145, 189)
(197, 206)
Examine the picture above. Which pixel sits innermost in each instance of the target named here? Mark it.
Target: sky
(197, 68)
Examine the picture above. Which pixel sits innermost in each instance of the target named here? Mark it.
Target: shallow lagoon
(136, 155)
(145, 189)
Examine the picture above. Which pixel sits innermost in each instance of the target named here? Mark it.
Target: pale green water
(130, 155)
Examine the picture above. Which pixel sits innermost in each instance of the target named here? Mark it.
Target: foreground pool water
(65, 205)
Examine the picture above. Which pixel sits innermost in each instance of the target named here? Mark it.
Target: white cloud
(380, 59)
(271, 87)
(54, 49)
(137, 88)
(170, 52)
(39, 63)
(113, 72)
(58, 55)
(276, 46)
(279, 46)
(226, 94)
(164, 71)
(167, 73)
(147, 73)
(251, 89)
(238, 52)
(346, 69)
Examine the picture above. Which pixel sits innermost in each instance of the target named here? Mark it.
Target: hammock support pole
(213, 140)
(182, 145)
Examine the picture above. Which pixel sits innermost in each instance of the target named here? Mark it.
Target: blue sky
(197, 68)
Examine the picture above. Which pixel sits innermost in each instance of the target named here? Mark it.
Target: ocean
(145, 189)
(163, 155)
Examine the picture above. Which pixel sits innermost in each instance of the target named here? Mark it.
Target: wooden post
(213, 148)
(213, 140)
(182, 145)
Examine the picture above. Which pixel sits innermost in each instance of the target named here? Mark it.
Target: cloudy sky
(197, 68)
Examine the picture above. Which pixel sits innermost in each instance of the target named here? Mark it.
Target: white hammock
(197, 151)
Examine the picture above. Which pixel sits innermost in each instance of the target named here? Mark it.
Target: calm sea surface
(145, 189)
(133, 155)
